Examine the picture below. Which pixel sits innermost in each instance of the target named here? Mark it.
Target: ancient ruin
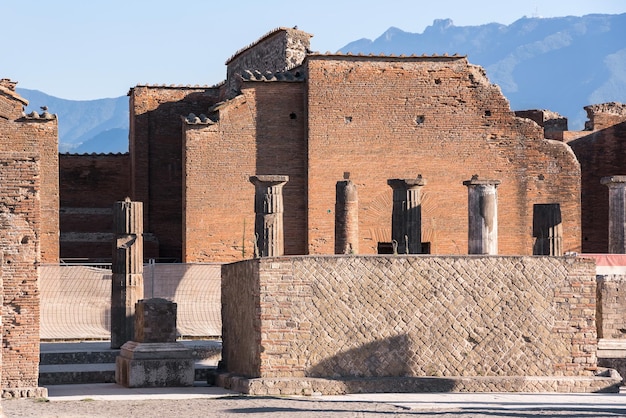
(153, 358)
(312, 118)
(127, 268)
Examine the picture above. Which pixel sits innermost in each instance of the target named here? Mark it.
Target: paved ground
(110, 400)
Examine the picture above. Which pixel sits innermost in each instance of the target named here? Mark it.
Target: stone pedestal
(268, 209)
(547, 229)
(406, 216)
(154, 358)
(127, 269)
(617, 213)
(346, 218)
(482, 205)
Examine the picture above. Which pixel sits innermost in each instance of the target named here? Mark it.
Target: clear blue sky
(90, 49)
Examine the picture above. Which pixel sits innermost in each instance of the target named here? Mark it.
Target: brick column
(346, 218)
(617, 213)
(406, 215)
(482, 208)
(268, 220)
(127, 269)
(547, 229)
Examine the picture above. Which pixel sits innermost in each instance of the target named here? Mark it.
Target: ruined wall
(611, 306)
(35, 134)
(89, 186)
(383, 117)
(156, 152)
(20, 222)
(258, 132)
(601, 153)
(376, 316)
(279, 50)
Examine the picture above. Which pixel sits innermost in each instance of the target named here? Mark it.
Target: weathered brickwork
(260, 132)
(279, 50)
(377, 316)
(20, 221)
(381, 118)
(35, 134)
(612, 307)
(601, 154)
(156, 151)
(89, 186)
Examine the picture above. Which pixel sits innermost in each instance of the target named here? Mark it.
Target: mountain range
(561, 64)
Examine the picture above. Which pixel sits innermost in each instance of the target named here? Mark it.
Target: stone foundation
(340, 324)
(25, 392)
(319, 386)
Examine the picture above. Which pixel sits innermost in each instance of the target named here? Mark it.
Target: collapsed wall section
(374, 317)
(380, 118)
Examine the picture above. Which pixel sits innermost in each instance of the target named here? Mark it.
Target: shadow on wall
(385, 358)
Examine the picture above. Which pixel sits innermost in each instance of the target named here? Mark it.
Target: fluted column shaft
(268, 220)
(547, 229)
(617, 213)
(406, 215)
(482, 208)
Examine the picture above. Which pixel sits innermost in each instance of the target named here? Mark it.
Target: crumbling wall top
(7, 88)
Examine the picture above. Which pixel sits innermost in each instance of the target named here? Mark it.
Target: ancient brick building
(29, 228)
(377, 118)
(602, 153)
(285, 110)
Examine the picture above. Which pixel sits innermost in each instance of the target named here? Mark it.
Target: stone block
(154, 365)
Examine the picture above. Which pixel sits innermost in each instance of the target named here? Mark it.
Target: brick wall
(374, 316)
(382, 118)
(601, 154)
(155, 152)
(89, 186)
(260, 132)
(35, 135)
(611, 304)
(20, 222)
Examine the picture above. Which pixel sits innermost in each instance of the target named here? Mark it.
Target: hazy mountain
(85, 126)
(561, 64)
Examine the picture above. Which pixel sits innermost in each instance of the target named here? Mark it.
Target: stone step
(94, 361)
(67, 374)
(93, 352)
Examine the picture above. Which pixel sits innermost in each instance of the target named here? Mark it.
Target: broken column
(547, 229)
(268, 220)
(617, 213)
(483, 216)
(154, 358)
(127, 269)
(346, 217)
(406, 215)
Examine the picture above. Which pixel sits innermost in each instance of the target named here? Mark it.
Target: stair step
(67, 374)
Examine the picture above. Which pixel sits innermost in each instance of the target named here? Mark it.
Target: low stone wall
(509, 319)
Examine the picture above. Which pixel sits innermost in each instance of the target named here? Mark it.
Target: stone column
(482, 208)
(406, 215)
(617, 213)
(547, 229)
(346, 218)
(268, 220)
(127, 269)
